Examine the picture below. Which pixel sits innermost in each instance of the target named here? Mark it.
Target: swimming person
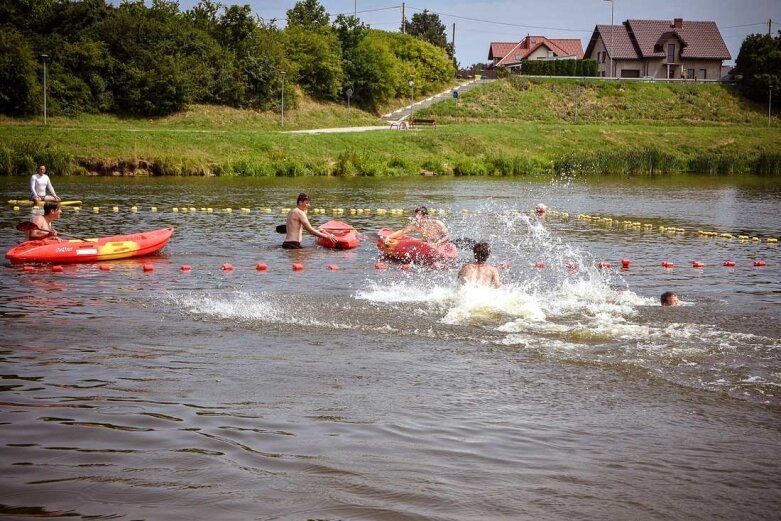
(51, 212)
(40, 184)
(433, 231)
(297, 221)
(479, 272)
(669, 299)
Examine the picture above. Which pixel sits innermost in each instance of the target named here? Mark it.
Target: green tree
(316, 61)
(428, 27)
(309, 15)
(20, 90)
(758, 66)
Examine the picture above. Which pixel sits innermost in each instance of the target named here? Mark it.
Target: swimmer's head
(669, 298)
(540, 209)
(482, 250)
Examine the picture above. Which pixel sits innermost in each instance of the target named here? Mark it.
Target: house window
(704, 74)
(604, 55)
(670, 53)
(690, 74)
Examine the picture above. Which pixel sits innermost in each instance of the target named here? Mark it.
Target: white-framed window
(670, 53)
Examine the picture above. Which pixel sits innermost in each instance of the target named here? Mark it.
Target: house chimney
(678, 23)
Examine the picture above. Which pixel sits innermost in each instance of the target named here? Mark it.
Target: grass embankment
(509, 127)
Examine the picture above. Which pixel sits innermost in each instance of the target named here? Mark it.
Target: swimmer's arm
(409, 228)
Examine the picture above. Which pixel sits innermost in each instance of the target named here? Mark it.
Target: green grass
(533, 136)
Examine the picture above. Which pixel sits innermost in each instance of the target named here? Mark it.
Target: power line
(501, 23)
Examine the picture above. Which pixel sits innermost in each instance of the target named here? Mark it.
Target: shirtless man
(51, 212)
(433, 231)
(479, 272)
(297, 221)
(40, 184)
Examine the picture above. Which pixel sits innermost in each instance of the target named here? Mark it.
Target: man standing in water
(297, 221)
(480, 272)
(40, 184)
(433, 231)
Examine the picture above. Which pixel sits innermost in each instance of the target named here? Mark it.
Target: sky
(478, 23)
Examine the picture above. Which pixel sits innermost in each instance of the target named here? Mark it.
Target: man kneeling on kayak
(433, 231)
(297, 221)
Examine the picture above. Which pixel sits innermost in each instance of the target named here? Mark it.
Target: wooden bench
(428, 122)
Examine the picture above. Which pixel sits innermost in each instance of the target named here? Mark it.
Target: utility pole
(769, 23)
(403, 19)
(283, 97)
(44, 58)
(611, 37)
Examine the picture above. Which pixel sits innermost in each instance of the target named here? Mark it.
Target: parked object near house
(512, 54)
(677, 49)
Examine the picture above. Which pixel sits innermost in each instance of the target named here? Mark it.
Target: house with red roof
(659, 48)
(512, 54)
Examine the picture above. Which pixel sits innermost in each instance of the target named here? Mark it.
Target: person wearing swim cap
(433, 231)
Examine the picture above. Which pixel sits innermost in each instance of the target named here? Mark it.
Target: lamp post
(412, 99)
(611, 36)
(349, 93)
(283, 73)
(44, 58)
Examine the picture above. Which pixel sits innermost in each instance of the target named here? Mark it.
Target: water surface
(394, 394)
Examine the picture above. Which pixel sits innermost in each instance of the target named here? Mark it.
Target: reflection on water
(569, 392)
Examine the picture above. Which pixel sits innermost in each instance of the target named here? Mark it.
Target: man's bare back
(479, 273)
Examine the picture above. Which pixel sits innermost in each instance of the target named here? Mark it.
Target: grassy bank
(217, 141)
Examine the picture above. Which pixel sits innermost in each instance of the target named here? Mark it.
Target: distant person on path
(433, 231)
(479, 272)
(40, 184)
(297, 221)
(51, 212)
(669, 299)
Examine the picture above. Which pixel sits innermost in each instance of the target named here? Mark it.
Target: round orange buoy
(603, 265)
(59, 269)
(298, 267)
(261, 266)
(698, 264)
(28, 268)
(333, 267)
(667, 264)
(104, 267)
(405, 267)
(185, 267)
(149, 267)
(226, 267)
(760, 263)
(539, 265)
(625, 263)
(729, 264)
(572, 266)
(380, 266)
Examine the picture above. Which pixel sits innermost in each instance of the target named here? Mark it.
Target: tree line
(131, 59)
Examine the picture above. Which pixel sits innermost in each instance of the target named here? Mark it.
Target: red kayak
(91, 250)
(410, 249)
(346, 236)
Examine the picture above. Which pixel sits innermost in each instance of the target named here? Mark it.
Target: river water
(569, 393)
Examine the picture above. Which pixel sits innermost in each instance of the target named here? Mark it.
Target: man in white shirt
(40, 184)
